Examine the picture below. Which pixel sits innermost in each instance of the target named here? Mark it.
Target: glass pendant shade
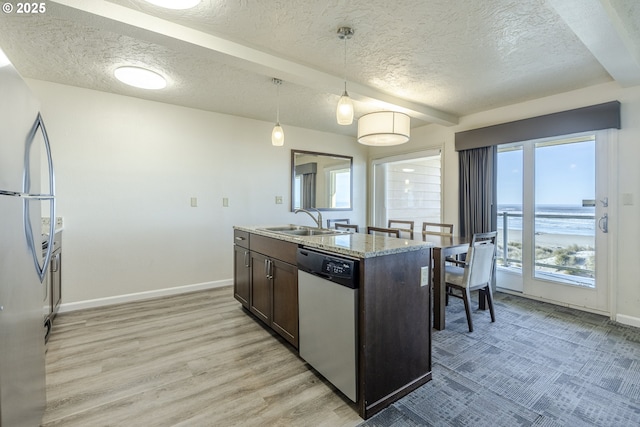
(384, 128)
(344, 112)
(277, 136)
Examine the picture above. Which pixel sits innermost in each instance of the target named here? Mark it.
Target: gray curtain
(478, 210)
(308, 190)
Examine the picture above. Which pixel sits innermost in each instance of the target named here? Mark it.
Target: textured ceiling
(437, 60)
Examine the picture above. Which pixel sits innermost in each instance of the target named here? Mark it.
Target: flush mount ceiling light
(175, 4)
(140, 77)
(344, 112)
(384, 128)
(277, 135)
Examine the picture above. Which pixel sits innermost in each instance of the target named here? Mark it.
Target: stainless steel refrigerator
(23, 265)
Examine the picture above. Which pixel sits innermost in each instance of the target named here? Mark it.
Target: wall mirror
(322, 181)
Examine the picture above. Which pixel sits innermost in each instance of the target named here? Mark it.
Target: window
(408, 188)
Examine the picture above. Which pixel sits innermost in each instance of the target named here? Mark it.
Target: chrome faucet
(318, 220)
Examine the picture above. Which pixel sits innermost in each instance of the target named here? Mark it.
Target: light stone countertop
(357, 245)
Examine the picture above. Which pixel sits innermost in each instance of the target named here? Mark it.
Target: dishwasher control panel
(337, 267)
(343, 271)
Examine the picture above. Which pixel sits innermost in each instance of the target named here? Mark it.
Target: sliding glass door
(552, 220)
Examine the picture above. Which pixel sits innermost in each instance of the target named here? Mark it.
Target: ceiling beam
(599, 26)
(129, 21)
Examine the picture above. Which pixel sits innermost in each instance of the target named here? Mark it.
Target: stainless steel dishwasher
(328, 311)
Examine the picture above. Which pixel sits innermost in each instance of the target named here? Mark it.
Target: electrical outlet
(59, 222)
(225, 202)
(424, 276)
(194, 202)
(278, 200)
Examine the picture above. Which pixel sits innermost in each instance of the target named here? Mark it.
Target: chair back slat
(392, 232)
(440, 229)
(334, 221)
(349, 227)
(404, 226)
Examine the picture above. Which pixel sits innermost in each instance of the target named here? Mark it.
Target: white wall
(624, 230)
(126, 170)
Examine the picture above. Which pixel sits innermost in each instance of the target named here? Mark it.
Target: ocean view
(564, 240)
(567, 219)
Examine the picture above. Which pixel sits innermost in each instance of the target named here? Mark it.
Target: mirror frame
(316, 153)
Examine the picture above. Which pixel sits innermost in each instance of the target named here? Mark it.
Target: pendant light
(384, 128)
(344, 112)
(277, 135)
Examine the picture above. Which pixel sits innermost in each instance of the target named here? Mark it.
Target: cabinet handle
(246, 259)
(270, 269)
(239, 238)
(266, 268)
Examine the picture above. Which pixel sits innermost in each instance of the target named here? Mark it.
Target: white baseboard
(119, 299)
(628, 320)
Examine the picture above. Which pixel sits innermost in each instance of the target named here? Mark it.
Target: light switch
(194, 202)
(225, 202)
(627, 199)
(278, 200)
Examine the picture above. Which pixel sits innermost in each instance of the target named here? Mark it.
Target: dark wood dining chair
(403, 225)
(474, 273)
(391, 232)
(341, 221)
(437, 229)
(348, 227)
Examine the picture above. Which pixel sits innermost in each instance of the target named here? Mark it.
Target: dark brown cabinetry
(268, 283)
(393, 312)
(241, 267)
(285, 301)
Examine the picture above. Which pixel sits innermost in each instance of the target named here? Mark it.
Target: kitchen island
(393, 309)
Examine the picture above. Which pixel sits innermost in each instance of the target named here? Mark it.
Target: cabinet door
(285, 301)
(242, 275)
(260, 300)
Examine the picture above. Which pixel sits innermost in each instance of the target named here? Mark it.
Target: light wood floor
(195, 359)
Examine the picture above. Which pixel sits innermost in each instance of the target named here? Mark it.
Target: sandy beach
(551, 240)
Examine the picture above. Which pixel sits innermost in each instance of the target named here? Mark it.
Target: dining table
(443, 247)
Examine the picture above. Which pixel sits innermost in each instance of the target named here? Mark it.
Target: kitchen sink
(297, 230)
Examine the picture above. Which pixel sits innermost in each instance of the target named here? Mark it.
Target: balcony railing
(561, 257)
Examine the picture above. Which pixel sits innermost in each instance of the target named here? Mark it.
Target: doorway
(553, 215)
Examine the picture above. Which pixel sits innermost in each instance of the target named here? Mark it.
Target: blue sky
(565, 174)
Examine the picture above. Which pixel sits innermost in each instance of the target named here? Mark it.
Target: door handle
(603, 223)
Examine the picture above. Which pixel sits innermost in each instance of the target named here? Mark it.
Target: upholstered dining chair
(391, 232)
(348, 227)
(474, 273)
(437, 229)
(402, 225)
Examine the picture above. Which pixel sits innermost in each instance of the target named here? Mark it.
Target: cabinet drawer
(241, 238)
(274, 248)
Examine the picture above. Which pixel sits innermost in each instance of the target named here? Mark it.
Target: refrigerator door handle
(26, 195)
(26, 184)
